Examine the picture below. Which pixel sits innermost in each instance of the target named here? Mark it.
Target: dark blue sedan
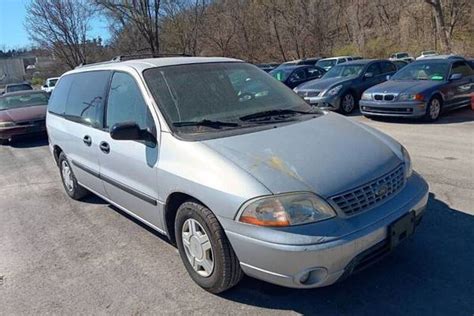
(423, 89)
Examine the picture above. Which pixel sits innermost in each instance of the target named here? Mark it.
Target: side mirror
(455, 76)
(130, 131)
(369, 75)
(388, 77)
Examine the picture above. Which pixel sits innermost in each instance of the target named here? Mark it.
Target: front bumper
(324, 102)
(395, 109)
(30, 129)
(328, 249)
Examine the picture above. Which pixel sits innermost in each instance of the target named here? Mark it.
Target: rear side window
(125, 103)
(374, 68)
(58, 100)
(85, 103)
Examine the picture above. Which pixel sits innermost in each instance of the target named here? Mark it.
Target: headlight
(6, 124)
(334, 90)
(366, 96)
(286, 210)
(410, 97)
(407, 162)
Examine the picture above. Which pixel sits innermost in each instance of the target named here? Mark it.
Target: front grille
(385, 110)
(385, 97)
(308, 94)
(369, 195)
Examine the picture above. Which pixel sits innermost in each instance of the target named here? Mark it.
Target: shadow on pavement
(29, 141)
(430, 274)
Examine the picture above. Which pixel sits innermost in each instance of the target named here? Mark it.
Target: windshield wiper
(206, 123)
(271, 113)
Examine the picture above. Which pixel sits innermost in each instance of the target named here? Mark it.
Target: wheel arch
(56, 152)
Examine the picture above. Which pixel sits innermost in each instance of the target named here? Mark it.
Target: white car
(328, 63)
(401, 56)
(427, 53)
(49, 84)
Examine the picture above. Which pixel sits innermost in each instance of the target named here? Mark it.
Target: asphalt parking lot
(66, 257)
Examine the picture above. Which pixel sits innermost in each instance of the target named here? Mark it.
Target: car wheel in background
(73, 189)
(433, 110)
(204, 248)
(348, 103)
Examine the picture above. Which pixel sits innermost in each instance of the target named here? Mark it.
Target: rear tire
(433, 110)
(208, 255)
(73, 189)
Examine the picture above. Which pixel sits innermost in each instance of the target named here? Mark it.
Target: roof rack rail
(138, 56)
(120, 58)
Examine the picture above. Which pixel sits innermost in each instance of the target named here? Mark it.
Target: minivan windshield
(23, 100)
(224, 95)
(344, 71)
(423, 71)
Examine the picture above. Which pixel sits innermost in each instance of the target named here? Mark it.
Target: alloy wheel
(435, 109)
(348, 103)
(67, 176)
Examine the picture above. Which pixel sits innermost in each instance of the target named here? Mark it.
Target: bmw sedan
(341, 87)
(423, 89)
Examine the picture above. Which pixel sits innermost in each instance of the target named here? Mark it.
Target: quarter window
(58, 100)
(125, 103)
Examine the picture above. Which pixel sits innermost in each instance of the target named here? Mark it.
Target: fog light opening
(312, 276)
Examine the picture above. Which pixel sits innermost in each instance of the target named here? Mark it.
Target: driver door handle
(105, 147)
(87, 140)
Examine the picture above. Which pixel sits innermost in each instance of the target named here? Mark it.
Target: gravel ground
(66, 257)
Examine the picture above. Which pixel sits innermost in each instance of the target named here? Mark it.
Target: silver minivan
(238, 171)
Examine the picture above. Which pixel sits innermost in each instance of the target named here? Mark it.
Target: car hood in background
(405, 86)
(323, 84)
(325, 155)
(30, 113)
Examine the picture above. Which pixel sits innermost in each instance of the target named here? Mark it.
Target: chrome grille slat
(365, 197)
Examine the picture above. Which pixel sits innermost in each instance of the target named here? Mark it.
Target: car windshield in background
(402, 55)
(326, 63)
(23, 100)
(216, 94)
(52, 83)
(281, 74)
(19, 87)
(423, 71)
(344, 71)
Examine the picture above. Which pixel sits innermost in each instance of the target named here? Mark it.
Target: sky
(13, 34)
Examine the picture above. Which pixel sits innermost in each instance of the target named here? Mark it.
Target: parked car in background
(293, 76)
(401, 56)
(400, 63)
(305, 61)
(427, 53)
(22, 113)
(14, 87)
(341, 87)
(471, 62)
(423, 89)
(49, 84)
(328, 63)
(289, 209)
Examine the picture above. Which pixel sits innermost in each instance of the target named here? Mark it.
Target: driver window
(374, 69)
(125, 103)
(461, 67)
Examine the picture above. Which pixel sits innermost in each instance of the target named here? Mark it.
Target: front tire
(205, 250)
(348, 103)
(73, 189)
(433, 110)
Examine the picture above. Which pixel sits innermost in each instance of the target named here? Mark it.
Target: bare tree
(61, 26)
(438, 12)
(144, 15)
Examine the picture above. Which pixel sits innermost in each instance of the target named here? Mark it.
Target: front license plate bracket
(401, 229)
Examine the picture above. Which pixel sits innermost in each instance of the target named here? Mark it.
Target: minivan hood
(30, 113)
(404, 86)
(323, 84)
(326, 155)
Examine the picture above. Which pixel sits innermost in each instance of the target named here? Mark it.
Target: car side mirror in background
(130, 131)
(455, 76)
(369, 75)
